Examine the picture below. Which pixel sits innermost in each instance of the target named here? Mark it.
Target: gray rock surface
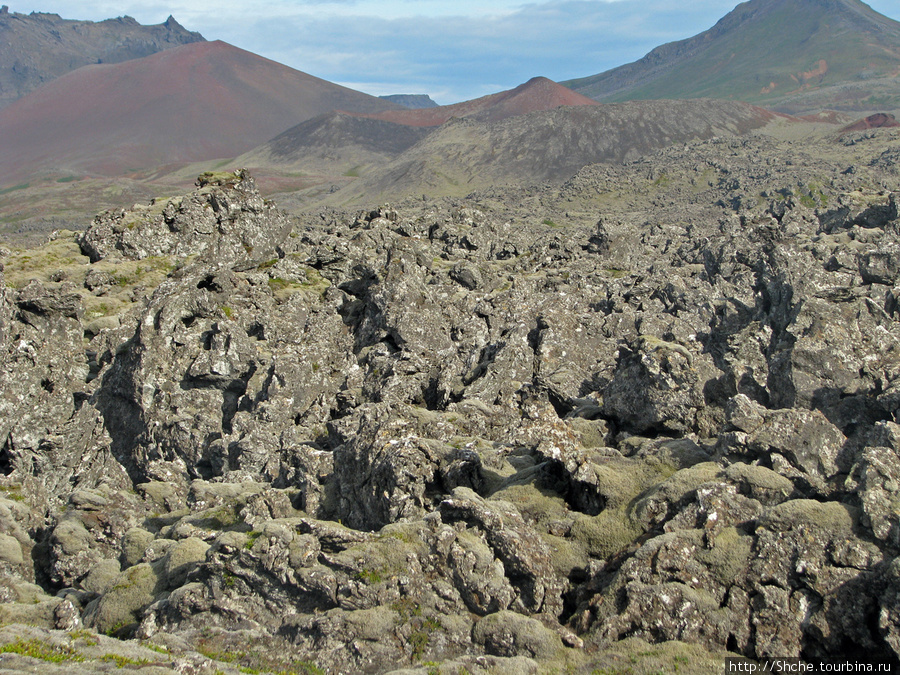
(448, 435)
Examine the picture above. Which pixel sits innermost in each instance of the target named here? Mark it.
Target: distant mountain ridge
(539, 93)
(38, 47)
(411, 100)
(789, 55)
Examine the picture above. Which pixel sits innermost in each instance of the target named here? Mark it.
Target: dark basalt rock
(453, 433)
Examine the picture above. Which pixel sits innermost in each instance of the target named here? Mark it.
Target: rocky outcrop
(39, 47)
(468, 436)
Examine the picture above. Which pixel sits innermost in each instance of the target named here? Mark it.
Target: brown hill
(190, 103)
(552, 145)
(876, 121)
(37, 48)
(538, 93)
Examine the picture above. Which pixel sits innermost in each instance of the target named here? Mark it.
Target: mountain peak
(52, 46)
(791, 55)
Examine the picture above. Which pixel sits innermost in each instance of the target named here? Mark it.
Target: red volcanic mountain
(538, 93)
(195, 102)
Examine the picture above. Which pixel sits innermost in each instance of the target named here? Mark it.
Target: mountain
(335, 143)
(411, 100)
(466, 154)
(194, 102)
(790, 55)
(349, 143)
(539, 93)
(37, 48)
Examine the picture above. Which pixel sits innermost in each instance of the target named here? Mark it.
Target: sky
(452, 51)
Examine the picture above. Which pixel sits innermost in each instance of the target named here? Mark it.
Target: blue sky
(452, 51)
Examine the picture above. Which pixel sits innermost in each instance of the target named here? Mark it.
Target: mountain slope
(791, 55)
(334, 143)
(468, 154)
(539, 93)
(37, 48)
(195, 102)
(341, 142)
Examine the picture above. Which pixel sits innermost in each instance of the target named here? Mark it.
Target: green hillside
(787, 54)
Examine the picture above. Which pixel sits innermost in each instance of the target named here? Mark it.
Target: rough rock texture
(481, 434)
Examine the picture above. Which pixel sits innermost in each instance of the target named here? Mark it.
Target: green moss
(122, 661)
(370, 576)
(219, 178)
(20, 186)
(606, 534)
(86, 636)
(832, 517)
(12, 492)
(728, 555)
(633, 656)
(39, 650)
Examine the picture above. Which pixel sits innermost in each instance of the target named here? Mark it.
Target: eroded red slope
(191, 103)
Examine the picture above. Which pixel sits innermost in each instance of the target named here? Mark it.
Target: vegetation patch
(41, 650)
(20, 186)
(123, 661)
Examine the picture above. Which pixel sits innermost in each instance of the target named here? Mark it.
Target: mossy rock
(759, 482)
(676, 487)
(507, 633)
(535, 505)
(134, 544)
(729, 554)
(182, 558)
(134, 589)
(102, 577)
(835, 518)
(604, 535)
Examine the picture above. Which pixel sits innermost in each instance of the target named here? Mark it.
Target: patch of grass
(20, 186)
(370, 576)
(67, 179)
(352, 173)
(154, 648)
(12, 492)
(40, 650)
(549, 223)
(87, 636)
(122, 661)
(252, 536)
